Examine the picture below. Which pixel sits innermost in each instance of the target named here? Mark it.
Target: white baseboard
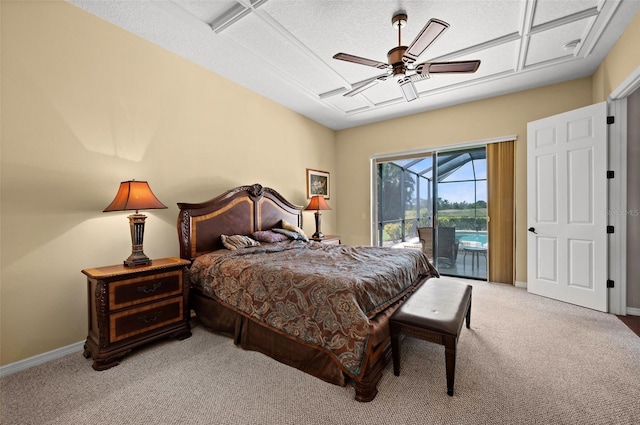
(521, 284)
(633, 311)
(40, 359)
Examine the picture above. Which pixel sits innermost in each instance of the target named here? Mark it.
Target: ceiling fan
(401, 60)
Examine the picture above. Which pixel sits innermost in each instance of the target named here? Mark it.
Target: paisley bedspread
(322, 294)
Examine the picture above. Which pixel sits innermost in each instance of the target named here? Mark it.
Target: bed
(323, 309)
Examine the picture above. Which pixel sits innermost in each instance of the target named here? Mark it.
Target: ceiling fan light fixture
(408, 89)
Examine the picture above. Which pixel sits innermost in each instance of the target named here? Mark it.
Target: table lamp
(134, 196)
(318, 203)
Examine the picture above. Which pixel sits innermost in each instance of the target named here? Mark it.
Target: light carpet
(526, 360)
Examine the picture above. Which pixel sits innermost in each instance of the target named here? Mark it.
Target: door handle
(532, 230)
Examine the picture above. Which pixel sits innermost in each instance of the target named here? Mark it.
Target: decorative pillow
(269, 236)
(288, 226)
(291, 234)
(238, 242)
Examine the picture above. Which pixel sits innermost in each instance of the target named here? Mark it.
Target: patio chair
(447, 244)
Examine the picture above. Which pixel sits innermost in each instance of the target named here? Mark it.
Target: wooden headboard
(239, 211)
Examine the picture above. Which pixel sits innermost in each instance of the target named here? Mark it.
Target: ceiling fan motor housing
(399, 20)
(394, 58)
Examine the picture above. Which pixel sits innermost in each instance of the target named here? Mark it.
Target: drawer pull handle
(148, 290)
(148, 320)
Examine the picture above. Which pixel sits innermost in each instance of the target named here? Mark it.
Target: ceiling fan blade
(448, 67)
(362, 61)
(428, 35)
(360, 87)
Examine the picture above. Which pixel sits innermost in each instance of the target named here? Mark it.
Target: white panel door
(567, 207)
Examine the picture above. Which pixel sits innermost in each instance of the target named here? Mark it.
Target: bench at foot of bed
(435, 312)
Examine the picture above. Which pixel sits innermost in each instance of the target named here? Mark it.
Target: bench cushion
(439, 305)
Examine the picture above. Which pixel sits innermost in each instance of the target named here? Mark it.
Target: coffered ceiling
(283, 49)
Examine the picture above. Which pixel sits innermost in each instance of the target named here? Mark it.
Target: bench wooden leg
(468, 319)
(450, 344)
(395, 352)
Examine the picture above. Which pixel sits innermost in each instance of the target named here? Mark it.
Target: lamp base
(318, 233)
(137, 257)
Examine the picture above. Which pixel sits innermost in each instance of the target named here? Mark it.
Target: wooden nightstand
(130, 306)
(328, 239)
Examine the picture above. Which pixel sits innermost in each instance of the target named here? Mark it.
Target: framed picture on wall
(317, 183)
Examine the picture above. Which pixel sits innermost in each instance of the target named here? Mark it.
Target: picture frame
(318, 183)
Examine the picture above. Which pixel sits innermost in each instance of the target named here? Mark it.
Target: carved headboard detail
(239, 211)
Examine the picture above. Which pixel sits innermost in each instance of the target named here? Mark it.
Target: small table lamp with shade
(318, 203)
(134, 196)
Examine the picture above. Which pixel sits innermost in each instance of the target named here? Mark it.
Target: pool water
(471, 238)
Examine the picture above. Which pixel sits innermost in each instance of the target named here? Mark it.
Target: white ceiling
(283, 49)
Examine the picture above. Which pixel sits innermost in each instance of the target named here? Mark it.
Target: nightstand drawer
(129, 292)
(144, 319)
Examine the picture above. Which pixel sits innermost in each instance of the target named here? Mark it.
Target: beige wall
(481, 120)
(86, 105)
(621, 61)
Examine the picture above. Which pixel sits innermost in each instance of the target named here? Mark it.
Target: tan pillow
(288, 226)
(238, 242)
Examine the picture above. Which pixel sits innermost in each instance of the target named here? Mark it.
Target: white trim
(40, 359)
(618, 135)
(373, 195)
(417, 152)
(617, 206)
(518, 284)
(633, 311)
(628, 86)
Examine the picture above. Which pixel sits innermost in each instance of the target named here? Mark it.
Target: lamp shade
(134, 195)
(317, 203)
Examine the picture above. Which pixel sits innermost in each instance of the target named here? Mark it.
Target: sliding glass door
(461, 213)
(446, 216)
(405, 200)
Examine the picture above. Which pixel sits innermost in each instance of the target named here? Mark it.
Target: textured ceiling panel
(471, 23)
(549, 45)
(283, 49)
(346, 104)
(276, 46)
(550, 10)
(385, 91)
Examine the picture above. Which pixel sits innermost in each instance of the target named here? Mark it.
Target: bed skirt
(252, 335)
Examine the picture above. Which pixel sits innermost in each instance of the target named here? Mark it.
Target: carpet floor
(525, 360)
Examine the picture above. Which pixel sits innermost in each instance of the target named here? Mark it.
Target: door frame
(617, 103)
